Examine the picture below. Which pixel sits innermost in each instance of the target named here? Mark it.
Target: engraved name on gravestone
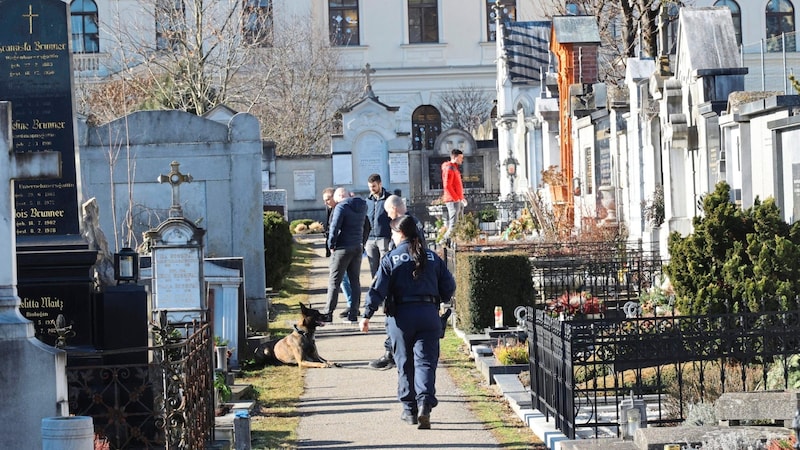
(36, 77)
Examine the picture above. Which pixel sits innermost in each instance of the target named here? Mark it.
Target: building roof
(527, 48)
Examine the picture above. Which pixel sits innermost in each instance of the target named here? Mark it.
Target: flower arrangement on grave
(520, 226)
(553, 176)
(658, 298)
(782, 443)
(572, 304)
(437, 201)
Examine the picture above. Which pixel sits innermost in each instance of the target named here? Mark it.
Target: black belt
(419, 299)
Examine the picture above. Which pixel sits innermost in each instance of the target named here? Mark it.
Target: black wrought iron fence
(165, 404)
(581, 366)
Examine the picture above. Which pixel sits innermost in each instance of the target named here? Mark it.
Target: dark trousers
(414, 332)
(345, 260)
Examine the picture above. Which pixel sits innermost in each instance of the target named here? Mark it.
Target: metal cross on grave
(16, 166)
(175, 178)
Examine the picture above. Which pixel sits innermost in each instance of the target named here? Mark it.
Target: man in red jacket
(453, 190)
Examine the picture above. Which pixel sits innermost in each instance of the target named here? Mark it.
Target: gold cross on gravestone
(367, 70)
(175, 178)
(30, 17)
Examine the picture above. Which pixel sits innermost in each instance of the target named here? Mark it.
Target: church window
(423, 21)
(780, 21)
(257, 22)
(85, 31)
(426, 123)
(508, 13)
(170, 23)
(343, 22)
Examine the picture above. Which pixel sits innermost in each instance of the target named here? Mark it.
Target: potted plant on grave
(553, 177)
(487, 218)
(222, 393)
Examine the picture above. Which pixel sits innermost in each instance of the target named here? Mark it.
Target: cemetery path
(355, 407)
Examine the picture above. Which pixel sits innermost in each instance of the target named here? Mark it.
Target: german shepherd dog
(299, 347)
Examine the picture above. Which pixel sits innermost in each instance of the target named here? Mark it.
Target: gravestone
(54, 261)
(177, 260)
(33, 376)
(224, 278)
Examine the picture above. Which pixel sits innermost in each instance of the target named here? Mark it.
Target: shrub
(466, 229)
(484, 281)
(487, 215)
(300, 226)
(277, 248)
(511, 354)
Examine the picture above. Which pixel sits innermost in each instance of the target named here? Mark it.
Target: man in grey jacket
(346, 242)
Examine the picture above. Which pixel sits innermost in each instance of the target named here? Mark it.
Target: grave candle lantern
(126, 265)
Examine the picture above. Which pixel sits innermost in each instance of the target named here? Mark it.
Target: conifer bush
(277, 249)
(736, 260)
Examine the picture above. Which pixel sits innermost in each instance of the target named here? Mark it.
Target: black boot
(384, 362)
(424, 416)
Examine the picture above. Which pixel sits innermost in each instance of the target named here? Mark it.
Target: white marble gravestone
(177, 260)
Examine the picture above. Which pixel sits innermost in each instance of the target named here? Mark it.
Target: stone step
(240, 391)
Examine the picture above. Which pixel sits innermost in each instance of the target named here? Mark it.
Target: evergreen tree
(736, 260)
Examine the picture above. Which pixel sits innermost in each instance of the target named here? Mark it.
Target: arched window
(343, 18)
(426, 124)
(509, 14)
(736, 15)
(85, 31)
(423, 21)
(780, 20)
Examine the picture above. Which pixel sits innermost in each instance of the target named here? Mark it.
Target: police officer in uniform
(413, 281)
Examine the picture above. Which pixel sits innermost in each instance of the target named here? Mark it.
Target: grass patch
(277, 389)
(485, 401)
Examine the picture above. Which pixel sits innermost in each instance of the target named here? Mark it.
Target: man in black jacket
(380, 235)
(345, 240)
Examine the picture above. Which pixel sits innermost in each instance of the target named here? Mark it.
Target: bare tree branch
(466, 107)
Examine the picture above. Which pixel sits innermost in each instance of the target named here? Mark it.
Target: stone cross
(16, 166)
(367, 70)
(175, 178)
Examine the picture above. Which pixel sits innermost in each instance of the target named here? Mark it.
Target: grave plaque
(54, 262)
(471, 172)
(36, 77)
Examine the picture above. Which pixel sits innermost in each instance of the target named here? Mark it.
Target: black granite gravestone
(54, 262)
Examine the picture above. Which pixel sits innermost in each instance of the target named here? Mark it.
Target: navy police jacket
(346, 229)
(395, 278)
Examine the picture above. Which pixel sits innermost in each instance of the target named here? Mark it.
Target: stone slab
(476, 339)
(598, 444)
(654, 438)
(490, 367)
(758, 405)
(481, 350)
